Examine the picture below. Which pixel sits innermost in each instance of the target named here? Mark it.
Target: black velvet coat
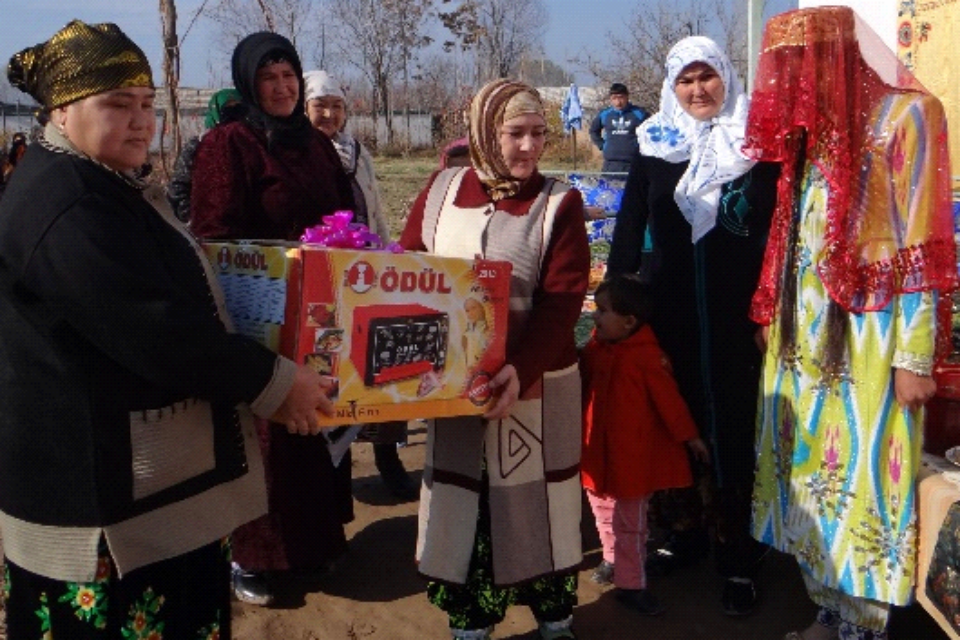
(105, 312)
(702, 296)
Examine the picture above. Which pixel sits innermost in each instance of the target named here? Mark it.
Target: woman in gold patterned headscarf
(124, 461)
(492, 517)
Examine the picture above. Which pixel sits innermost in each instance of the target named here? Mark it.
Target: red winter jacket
(635, 422)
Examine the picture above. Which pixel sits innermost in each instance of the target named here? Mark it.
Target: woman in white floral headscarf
(707, 207)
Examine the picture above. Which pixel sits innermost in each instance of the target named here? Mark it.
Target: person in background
(327, 110)
(271, 175)
(614, 130)
(861, 255)
(456, 154)
(127, 447)
(499, 525)
(42, 118)
(708, 210)
(224, 106)
(635, 426)
(18, 146)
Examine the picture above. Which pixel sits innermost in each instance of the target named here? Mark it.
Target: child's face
(611, 326)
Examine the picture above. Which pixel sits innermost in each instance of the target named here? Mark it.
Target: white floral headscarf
(713, 146)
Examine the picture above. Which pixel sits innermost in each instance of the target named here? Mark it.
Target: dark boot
(392, 473)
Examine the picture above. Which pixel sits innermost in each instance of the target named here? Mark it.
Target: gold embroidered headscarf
(495, 103)
(79, 61)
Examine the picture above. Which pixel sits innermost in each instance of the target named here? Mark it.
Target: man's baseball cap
(618, 87)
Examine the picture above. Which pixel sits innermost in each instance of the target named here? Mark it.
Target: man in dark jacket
(614, 130)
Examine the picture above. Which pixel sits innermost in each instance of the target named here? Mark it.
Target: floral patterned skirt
(183, 598)
(480, 603)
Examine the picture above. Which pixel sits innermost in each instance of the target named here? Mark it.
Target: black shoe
(603, 574)
(251, 587)
(641, 601)
(393, 474)
(739, 596)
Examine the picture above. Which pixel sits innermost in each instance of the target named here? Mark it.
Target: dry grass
(401, 180)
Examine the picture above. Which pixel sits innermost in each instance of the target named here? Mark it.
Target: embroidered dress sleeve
(911, 154)
(915, 324)
(133, 306)
(558, 298)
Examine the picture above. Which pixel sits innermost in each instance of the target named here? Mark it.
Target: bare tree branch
(171, 77)
(652, 31)
(379, 39)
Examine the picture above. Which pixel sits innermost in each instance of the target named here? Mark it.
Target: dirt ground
(376, 594)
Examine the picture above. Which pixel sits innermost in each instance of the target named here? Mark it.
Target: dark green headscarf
(216, 104)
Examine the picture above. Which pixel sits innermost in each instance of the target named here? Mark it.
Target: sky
(575, 26)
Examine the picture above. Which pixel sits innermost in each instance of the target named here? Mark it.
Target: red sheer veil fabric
(823, 79)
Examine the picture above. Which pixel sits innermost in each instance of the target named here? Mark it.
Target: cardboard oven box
(408, 335)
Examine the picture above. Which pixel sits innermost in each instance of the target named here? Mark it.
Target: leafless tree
(650, 33)
(512, 30)
(379, 38)
(441, 81)
(501, 33)
(298, 20)
(171, 77)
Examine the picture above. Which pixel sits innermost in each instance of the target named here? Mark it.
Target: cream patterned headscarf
(495, 103)
(713, 146)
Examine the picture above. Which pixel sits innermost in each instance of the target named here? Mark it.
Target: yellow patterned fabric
(80, 60)
(837, 457)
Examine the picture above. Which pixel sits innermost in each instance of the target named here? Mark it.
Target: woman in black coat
(708, 210)
(127, 448)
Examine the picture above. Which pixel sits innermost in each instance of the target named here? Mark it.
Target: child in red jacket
(635, 426)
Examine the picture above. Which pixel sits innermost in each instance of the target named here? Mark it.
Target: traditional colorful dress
(860, 252)
(837, 454)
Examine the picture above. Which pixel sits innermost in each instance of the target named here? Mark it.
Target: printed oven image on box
(396, 342)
